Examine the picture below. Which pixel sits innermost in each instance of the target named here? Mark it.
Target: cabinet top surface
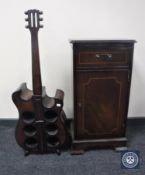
(102, 41)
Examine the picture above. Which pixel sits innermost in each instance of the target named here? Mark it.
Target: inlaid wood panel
(101, 98)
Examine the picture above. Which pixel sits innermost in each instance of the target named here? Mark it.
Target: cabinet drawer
(104, 58)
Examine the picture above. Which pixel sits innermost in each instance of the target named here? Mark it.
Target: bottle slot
(52, 141)
(28, 117)
(50, 116)
(51, 129)
(29, 130)
(31, 143)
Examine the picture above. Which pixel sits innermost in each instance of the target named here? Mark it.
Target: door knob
(79, 105)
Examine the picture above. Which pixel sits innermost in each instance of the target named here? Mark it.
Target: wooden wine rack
(42, 125)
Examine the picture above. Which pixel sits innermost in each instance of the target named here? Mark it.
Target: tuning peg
(26, 13)
(26, 19)
(26, 27)
(40, 19)
(41, 26)
(40, 12)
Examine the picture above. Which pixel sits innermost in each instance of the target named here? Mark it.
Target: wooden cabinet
(102, 77)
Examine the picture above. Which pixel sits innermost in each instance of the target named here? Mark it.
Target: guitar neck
(36, 73)
(33, 19)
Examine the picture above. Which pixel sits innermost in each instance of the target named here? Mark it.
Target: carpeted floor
(99, 162)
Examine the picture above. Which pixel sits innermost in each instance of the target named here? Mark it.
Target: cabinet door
(101, 103)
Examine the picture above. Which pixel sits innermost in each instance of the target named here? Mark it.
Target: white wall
(64, 20)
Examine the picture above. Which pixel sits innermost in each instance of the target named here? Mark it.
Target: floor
(97, 162)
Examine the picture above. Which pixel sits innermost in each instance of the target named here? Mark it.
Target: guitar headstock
(33, 19)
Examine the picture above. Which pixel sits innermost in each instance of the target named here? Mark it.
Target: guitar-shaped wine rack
(42, 125)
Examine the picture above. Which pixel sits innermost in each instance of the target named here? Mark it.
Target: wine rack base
(51, 138)
(42, 126)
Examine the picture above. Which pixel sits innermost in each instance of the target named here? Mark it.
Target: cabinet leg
(77, 152)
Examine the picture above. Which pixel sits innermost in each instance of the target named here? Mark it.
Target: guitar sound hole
(28, 117)
(52, 142)
(51, 129)
(31, 143)
(50, 116)
(30, 130)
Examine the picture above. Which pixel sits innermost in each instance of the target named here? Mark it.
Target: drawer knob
(109, 56)
(97, 56)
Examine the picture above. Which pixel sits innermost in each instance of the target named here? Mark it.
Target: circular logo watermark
(130, 160)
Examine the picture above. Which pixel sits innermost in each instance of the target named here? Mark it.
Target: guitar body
(42, 124)
(41, 127)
